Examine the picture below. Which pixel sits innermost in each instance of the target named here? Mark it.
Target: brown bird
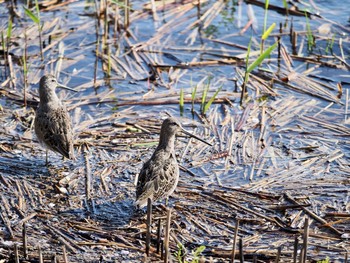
(160, 174)
(53, 126)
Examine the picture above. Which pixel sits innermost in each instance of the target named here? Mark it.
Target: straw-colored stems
(16, 253)
(233, 254)
(65, 257)
(87, 176)
(127, 14)
(41, 260)
(25, 69)
(167, 236)
(305, 240)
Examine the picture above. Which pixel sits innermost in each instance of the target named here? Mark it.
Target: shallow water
(283, 139)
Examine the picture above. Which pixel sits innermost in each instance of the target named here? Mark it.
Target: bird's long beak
(194, 136)
(59, 85)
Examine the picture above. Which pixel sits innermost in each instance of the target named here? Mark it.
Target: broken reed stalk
(234, 243)
(161, 249)
(65, 257)
(87, 176)
(127, 14)
(41, 260)
(24, 240)
(116, 21)
(159, 231)
(305, 239)
(295, 252)
(241, 256)
(278, 254)
(25, 68)
(16, 253)
(279, 42)
(167, 236)
(148, 225)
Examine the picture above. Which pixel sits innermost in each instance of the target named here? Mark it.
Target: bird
(52, 124)
(159, 176)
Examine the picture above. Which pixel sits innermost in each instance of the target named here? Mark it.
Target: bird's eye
(173, 123)
(52, 80)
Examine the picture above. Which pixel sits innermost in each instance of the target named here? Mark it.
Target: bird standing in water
(53, 126)
(160, 174)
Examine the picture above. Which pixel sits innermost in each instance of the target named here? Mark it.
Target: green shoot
(330, 43)
(246, 74)
(324, 260)
(265, 18)
(36, 19)
(6, 47)
(208, 104)
(32, 16)
(204, 94)
(180, 254)
(197, 253)
(285, 5)
(254, 65)
(268, 31)
(265, 36)
(193, 96)
(9, 30)
(260, 59)
(3, 41)
(181, 101)
(310, 37)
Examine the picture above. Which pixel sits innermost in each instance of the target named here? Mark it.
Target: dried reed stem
(167, 236)
(148, 225)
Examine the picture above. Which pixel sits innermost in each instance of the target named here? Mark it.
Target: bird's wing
(56, 130)
(155, 177)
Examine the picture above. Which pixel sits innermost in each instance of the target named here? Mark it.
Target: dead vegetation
(280, 160)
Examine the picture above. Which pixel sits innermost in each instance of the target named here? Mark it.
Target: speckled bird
(160, 174)
(53, 126)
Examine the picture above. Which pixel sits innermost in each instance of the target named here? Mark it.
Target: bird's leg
(47, 160)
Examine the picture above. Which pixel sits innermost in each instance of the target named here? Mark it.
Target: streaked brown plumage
(160, 174)
(53, 126)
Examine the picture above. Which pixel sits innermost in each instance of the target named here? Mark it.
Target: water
(291, 135)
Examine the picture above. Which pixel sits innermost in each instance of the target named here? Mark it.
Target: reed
(181, 102)
(36, 19)
(309, 35)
